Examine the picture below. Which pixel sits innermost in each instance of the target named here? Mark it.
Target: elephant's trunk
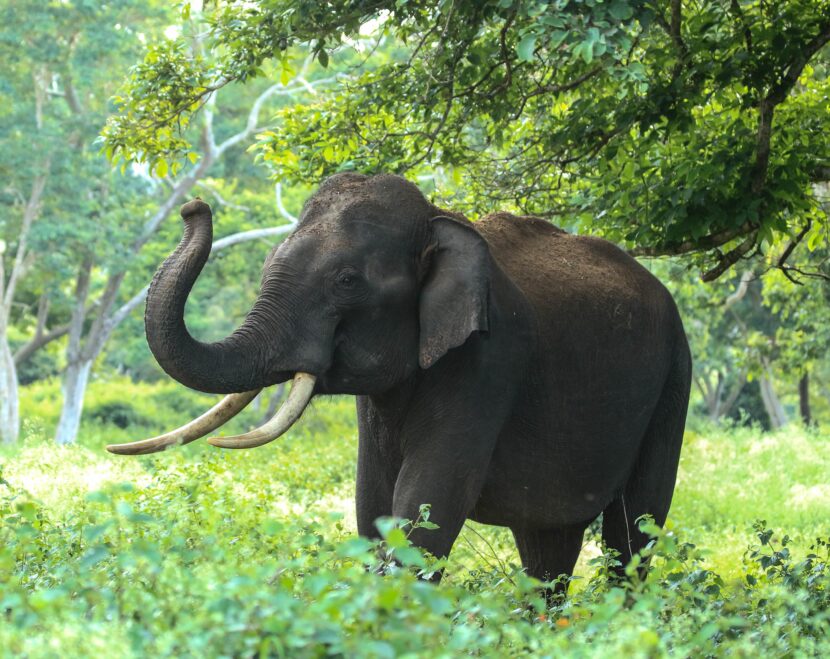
(243, 361)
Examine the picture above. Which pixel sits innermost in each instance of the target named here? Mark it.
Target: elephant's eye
(346, 279)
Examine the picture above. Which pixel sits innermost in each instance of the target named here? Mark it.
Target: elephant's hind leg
(650, 485)
(547, 554)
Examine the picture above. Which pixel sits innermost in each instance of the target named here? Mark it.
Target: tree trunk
(74, 386)
(734, 392)
(804, 399)
(78, 363)
(772, 404)
(9, 405)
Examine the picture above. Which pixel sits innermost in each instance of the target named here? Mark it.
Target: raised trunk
(243, 361)
(9, 416)
(74, 387)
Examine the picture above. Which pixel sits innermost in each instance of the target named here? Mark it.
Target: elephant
(505, 371)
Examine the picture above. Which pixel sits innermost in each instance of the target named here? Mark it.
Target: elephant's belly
(539, 505)
(557, 478)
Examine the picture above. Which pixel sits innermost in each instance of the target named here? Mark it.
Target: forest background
(693, 134)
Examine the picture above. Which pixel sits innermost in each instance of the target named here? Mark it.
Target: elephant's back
(560, 272)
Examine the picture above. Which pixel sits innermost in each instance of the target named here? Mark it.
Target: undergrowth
(199, 552)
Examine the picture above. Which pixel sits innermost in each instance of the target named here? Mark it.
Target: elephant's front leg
(378, 464)
(439, 472)
(446, 446)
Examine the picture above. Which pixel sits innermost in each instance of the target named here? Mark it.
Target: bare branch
(208, 139)
(706, 242)
(305, 83)
(730, 258)
(740, 292)
(280, 207)
(253, 119)
(30, 212)
(252, 234)
(38, 341)
(782, 260)
(221, 200)
(277, 89)
(182, 187)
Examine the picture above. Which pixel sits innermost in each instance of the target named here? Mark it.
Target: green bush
(205, 552)
(117, 413)
(180, 567)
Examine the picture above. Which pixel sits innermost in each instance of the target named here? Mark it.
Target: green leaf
(526, 47)
(620, 10)
(396, 539)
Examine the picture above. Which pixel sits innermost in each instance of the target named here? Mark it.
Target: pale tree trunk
(9, 394)
(772, 404)
(9, 414)
(734, 392)
(73, 388)
(78, 365)
(718, 406)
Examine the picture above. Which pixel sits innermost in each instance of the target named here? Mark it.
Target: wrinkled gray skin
(505, 371)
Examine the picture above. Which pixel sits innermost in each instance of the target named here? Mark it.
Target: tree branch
(776, 95)
(280, 207)
(253, 115)
(701, 244)
(740, 292)
(779, 92)
(220, 199)
(76, 322)
(30, 212)
(39, 341)
(731, 258)
(782, 260)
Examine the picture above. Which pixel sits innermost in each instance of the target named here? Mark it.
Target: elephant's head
(374, 283)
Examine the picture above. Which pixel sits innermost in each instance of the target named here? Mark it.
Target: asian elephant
(505, 371)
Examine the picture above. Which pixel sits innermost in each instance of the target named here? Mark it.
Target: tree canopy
(671, 127)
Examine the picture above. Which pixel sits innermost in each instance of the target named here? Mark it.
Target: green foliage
(199, 551)
(672, 127)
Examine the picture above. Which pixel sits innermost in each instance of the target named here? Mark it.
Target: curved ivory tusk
(220, 413)
(301, 391)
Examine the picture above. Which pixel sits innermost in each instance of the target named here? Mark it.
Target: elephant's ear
(454, 295)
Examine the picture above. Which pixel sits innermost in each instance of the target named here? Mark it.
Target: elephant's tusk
(220, 413)
(302, 390)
